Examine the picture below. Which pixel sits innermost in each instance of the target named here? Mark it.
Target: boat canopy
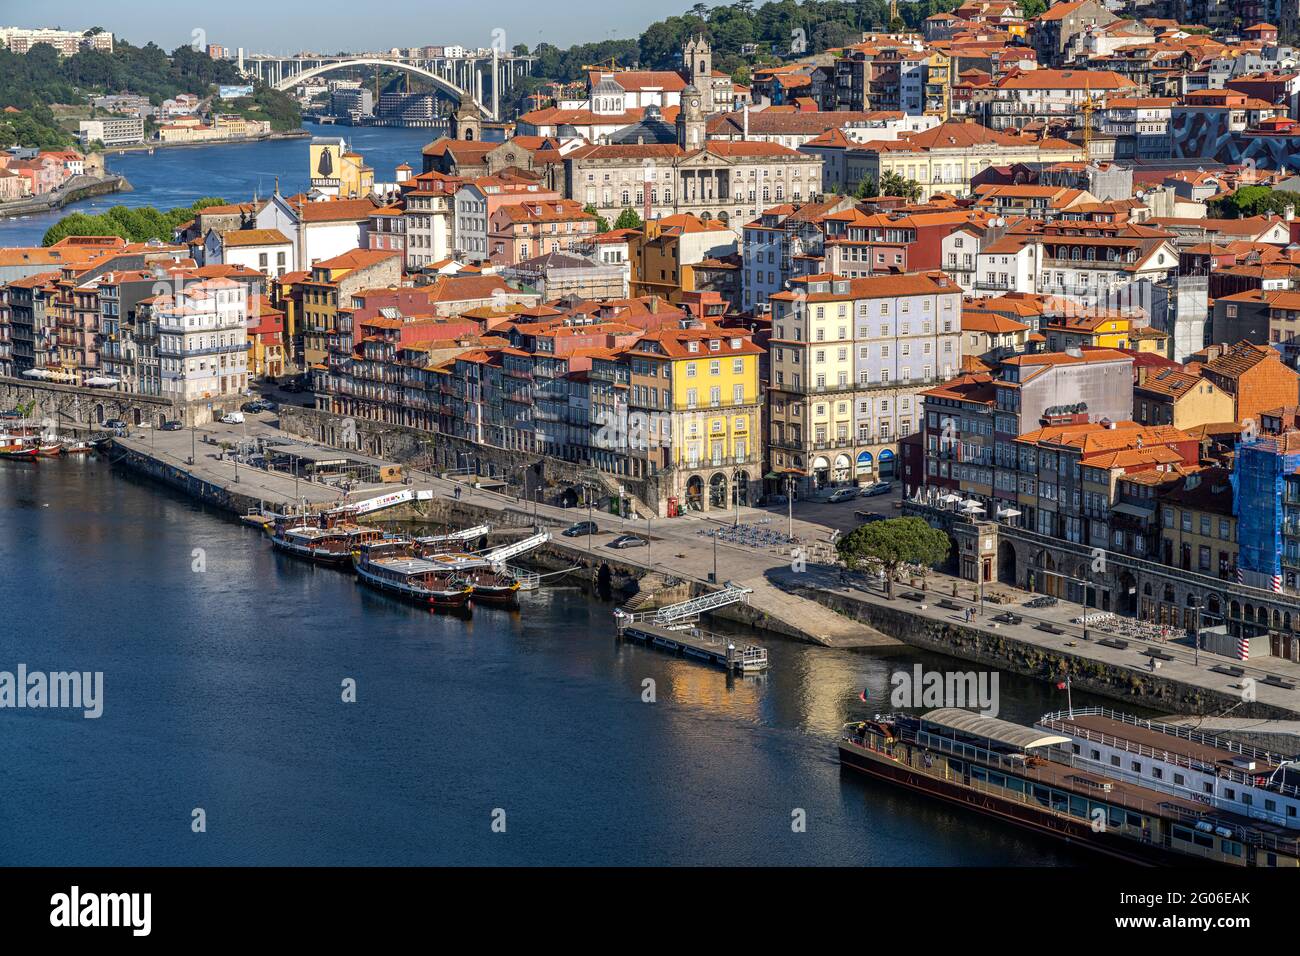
(991, 728)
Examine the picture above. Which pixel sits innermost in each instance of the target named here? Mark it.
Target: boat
(394, 566)
(50, 450)
(19, 452)
(74, 446)
(1132, 789)
(327, 537)
(492, 584)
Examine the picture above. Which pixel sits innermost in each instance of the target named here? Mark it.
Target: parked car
(232, 418)
(292, 387)
(842, 494)
(628, 541)
(172, 426)
(259, 405)
(11, 413)
(879, 488)
(578, 529)
(115, 425)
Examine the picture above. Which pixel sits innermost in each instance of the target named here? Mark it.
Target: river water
(222, 692)
(177, 176)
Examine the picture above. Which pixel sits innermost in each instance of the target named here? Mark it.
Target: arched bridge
(451, 89)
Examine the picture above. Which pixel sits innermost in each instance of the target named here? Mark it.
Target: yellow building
(699, 388)
(337, 171)
(1170, 396)
(938, 85)
(1110, 330)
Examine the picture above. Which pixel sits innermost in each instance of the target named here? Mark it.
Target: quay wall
(77, 189)
(1004, 651)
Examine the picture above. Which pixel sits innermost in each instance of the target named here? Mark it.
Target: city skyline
(288, 28)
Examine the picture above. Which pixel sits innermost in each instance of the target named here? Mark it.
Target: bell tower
(466, 122)
(690, 119)
(697, 58)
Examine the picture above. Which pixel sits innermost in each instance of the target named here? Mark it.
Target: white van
(232, 418)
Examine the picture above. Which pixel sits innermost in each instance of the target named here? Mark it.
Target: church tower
(697, 58)
(690, 119)
(466, 122)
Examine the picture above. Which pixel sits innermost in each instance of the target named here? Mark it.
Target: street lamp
(736, 477)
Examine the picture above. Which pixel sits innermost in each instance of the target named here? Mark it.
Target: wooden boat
(75, 447)
(394, 566)
(53, 450)
(491, 584)
(328, 537)
(18, 452)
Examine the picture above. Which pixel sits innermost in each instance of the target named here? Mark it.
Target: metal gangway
(687, 611)
(456, 536)
(507, 551)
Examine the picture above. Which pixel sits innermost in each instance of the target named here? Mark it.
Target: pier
(692, 642)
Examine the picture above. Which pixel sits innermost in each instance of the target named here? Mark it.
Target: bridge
(460, 78)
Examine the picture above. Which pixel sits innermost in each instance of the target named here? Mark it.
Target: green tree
(893, 543)
(867, 189)
(628, 219)
(892, 184)
(1032, 8)
(1251, 201)
(139, 224)
(602, 224)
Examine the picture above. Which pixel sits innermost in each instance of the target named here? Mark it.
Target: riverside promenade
(803, 595)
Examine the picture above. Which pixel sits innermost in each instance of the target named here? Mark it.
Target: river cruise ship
(1039, 778)
(492, 583)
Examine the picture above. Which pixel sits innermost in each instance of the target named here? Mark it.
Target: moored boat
(77, 447)
(394, 566)
(49, 450)
(1062, 781)
(492, 584)
(18, 452)
(329, 537)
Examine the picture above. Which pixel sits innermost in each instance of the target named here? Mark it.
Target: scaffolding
(1257, 484)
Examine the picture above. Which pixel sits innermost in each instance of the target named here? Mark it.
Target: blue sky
(286, 26)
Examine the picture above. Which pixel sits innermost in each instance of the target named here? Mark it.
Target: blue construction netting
(1257, 499)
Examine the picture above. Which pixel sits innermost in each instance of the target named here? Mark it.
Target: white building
(268, 251)
(317, 228)
(203, 340)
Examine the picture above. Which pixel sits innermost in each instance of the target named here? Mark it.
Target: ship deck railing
(1061, 721)
(528, 580)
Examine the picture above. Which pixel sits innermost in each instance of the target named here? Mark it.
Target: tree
(867, 189)
(1251, 201)
(893, 543)
(139, 224)
(1032, 8)
(628, 219)
(602, 224)
(892, 184)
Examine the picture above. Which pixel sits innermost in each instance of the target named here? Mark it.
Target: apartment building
(781, 244)
(848, 359)
(202, 340)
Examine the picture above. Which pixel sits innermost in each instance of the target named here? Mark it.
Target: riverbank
(232, 141)
(812, 603)
(75, 190)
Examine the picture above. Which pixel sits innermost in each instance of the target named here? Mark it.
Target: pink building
(522, 230)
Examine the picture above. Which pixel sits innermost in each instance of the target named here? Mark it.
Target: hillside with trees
(32, 81)
(134, 224)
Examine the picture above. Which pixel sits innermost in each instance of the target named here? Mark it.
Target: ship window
(1078, 807)
(1115, 817)
(1018, 785)
(1209, 787)
(1229, 793)
(1157, 773)
(1181, 833)
(1290, 809)
(1179, 779)
(997, 780)
(1137, 766)
(1042, 795)
(1203, 839)
(978, 773)
(1096, 754)
(1059, 801)
(1114, 760)
(1133, 820)
(1232, 848)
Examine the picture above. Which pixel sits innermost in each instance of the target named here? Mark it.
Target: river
(222, 692)
(177, 176)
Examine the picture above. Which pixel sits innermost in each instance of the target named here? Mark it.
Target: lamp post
(590, 523)
(194, 450)
(1196, 624)
(736, 477)
(789, 503)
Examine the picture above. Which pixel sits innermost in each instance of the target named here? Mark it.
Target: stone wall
(560, 481)
(70, 407)
(1003, 651)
